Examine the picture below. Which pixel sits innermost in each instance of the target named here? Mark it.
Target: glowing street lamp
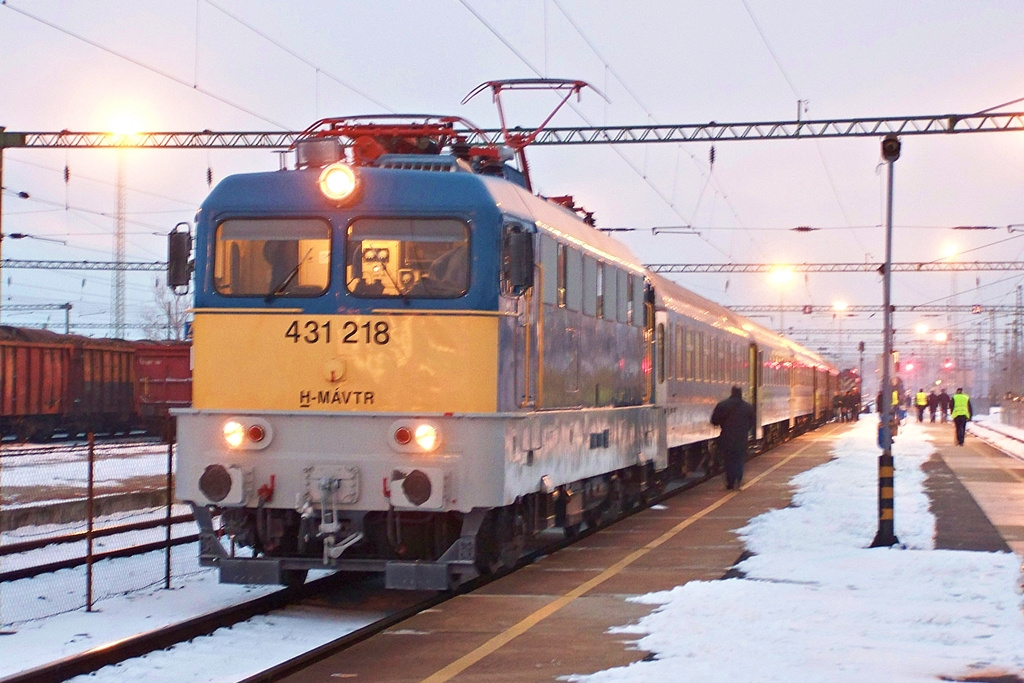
(781, 276)
(840, 312)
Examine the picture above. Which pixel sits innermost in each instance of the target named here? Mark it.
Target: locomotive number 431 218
(348, 332)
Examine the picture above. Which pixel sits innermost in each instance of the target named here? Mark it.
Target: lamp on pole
(839, 312)
(886, 535)
(950, 252)
(782, 276)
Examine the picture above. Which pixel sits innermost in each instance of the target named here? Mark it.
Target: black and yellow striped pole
(886, 535)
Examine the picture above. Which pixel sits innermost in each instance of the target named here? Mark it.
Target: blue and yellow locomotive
(407, 362)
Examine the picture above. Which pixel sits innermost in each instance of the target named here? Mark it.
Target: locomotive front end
(345, 358)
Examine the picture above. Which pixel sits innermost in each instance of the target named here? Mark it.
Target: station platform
(552, 619)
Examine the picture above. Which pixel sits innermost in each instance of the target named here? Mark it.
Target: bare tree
(167, 318)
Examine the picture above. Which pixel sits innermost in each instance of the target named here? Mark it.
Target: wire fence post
(89, 510)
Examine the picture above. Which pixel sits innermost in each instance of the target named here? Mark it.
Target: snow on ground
(816, 604)
(68, 472)
(1007, 439)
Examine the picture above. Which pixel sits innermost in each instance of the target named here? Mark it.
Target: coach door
(529, 323)
(755, 361)
(523, 279)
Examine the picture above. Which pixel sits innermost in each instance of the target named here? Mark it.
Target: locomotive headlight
(234, 433)
(410, 435)
(426, 436)
(247, 433)
(338, 182)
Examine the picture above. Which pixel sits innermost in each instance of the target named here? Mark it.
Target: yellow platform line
(502, 639)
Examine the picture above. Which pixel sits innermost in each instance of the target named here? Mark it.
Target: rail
(165, 637)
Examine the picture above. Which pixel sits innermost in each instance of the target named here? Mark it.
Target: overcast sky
(255, 65)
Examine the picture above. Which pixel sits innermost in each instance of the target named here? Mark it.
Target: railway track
(340, 588)
(337, 588)
(79, 447)
(981, 430)
(12, 551)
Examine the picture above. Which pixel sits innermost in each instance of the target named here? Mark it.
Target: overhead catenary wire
(705, 169)
(800, 99)
(142, 65)
(639, 172)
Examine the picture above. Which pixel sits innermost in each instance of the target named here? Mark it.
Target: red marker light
(403, 435)
(256, 433)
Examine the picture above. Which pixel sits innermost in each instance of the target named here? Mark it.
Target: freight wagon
(55, 383)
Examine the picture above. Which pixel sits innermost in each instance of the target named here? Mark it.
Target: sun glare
(125, 130)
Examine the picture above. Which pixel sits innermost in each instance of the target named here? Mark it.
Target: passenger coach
(405, 361)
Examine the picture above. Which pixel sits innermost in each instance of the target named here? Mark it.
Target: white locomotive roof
(560, 221)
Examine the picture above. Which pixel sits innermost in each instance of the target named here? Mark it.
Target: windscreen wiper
(279, 290)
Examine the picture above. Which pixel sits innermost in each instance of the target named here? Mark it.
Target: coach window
(727, 360)
(661, 352)
(413, 258)
(630, 309)
(716, 347)
(637, 301)
(698, 368)
(573, 279)
(705, 357)
(549, 270)
(670, 341)
(608, 292)
(272, 257)
(589, 286)
(677, 347)
(720, 356)
(560, 279)
(688, 352)
(621, 296)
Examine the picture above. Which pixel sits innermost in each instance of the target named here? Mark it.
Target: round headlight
(426, 437)
(338, 181)
(234, 433)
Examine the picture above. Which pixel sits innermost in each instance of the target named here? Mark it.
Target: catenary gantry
(712, 131)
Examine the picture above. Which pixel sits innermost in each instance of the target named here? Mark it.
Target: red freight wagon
(163, 380)
(33, 382)
(101, 385)
(52, 382)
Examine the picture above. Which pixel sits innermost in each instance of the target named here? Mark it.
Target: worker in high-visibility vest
(920, 402)
(961, 413)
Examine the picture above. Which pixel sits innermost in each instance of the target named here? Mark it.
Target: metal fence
(83, 522)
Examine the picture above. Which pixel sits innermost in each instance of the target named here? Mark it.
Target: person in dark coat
(737, 419)
(944, 402)
(962, 413)
(853, 401)
(933, 404)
